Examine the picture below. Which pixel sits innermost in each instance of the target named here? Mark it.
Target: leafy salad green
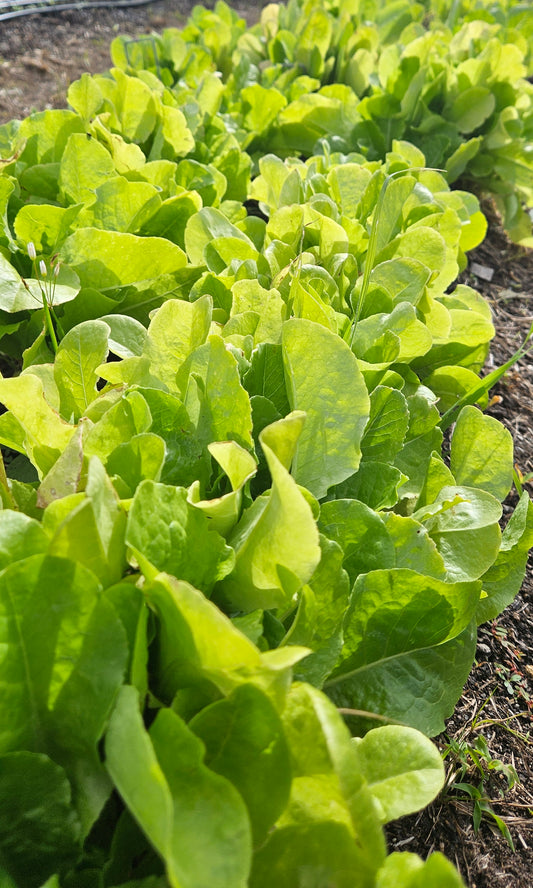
(239, 579)
(172, 559)
(359, 75)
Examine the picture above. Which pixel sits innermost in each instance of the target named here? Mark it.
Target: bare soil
(39, 56)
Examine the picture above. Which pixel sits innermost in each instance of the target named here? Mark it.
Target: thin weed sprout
(484, 386)
(142, 43)
(520, 479)
(46, 277)
(470, 765)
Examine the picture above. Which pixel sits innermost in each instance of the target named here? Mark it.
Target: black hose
(31, 7)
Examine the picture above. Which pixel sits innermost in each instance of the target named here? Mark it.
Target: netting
(14, 8)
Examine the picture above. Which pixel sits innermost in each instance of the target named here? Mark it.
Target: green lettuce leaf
(406, 870)
(396, 654)
(244, 740)
(482, 453)
(215, 400)
(166, 533)
(504, 578)
(176, 799)
(463, 522)
(403, 769)
(176, 330)
(80, 352)
(92, 533)
(20, 537)
(39, 831)
(66, 654)
(44, 434)
(329, 449)
(346, 840)
(276, 541)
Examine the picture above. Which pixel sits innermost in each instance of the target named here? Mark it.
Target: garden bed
(39, 57)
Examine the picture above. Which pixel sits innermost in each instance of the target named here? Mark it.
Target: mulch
(39, 56)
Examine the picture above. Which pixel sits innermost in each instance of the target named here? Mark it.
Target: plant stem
(5, 483)
(486, 383)
(363, 713)
(50, 325)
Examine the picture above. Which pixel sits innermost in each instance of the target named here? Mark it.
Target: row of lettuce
(332, 77)
(230, 538)
(364, 74)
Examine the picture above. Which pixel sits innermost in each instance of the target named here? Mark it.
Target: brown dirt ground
(39, 56)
